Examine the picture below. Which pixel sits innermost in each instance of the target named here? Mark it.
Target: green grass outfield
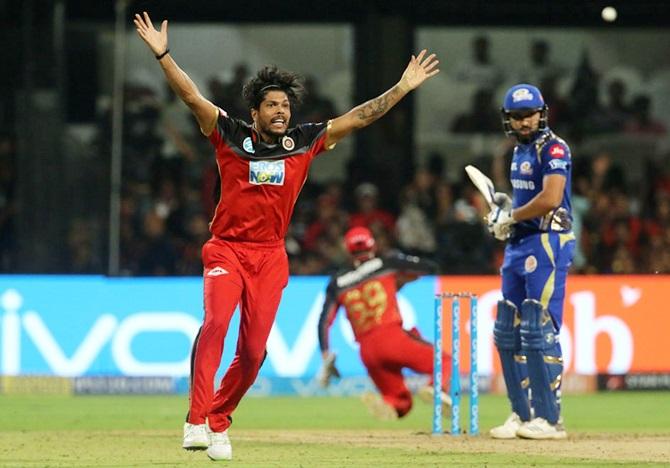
(606, 429)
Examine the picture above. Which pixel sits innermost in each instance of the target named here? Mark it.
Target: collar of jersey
(261, 149)
(256, 139)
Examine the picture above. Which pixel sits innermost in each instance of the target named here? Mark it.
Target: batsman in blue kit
(536, 222)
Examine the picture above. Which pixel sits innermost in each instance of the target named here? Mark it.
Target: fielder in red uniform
(262, 168)
(368, 294)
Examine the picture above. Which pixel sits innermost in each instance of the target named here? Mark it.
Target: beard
(273, 132)
(525, 137)
(268, 130)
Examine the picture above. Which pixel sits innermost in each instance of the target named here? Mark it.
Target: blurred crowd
(170, 181)
(583, 101)
(7, 201)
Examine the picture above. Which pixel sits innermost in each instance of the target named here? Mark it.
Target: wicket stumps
(455, 383)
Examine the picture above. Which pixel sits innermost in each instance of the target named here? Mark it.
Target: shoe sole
(556, 436)
(195, 446)
(506, 437)
(426, 396)
(220, 459)
(378, 408)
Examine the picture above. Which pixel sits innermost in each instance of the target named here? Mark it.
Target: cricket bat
(483, 184)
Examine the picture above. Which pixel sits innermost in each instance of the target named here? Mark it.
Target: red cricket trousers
(386, 350)
(252, 275)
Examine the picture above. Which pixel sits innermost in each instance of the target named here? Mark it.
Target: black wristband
(167, 51)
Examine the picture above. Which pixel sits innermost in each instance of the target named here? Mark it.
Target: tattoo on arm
(375, 108)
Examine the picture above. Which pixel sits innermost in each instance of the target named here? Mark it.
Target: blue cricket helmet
(523, 97)
(520, 98)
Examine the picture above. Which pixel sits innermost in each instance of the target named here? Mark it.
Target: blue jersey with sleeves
(546, 154)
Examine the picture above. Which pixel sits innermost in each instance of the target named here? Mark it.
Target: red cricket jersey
(368, 293)
(260, 182)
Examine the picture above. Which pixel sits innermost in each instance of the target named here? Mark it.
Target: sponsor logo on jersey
(523, 184)
(266, 172)
(526, 168)
(217, 271)
(556, 151)
(530, 264)
(555, 164)
(287, 143)
(248, 145)
(513, 167)
(522, 94)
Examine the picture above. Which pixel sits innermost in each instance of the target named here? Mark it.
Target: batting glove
(502, 200)
(499, 223)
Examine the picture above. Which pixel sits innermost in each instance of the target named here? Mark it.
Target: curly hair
(271, 78)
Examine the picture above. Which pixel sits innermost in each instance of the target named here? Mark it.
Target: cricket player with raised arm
(262, 168)
(536, 223)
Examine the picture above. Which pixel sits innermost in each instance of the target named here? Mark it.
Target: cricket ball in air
(609, 14)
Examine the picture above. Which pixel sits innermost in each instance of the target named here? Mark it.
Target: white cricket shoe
(378, 407)
(540, 428)
(509, 428)
(426, 394)
(195, 437)
(219, 446)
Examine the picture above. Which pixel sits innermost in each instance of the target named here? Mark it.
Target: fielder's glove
(502, 200)
(499, 223)
(328, 370)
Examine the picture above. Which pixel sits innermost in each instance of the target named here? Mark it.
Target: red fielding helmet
(359, 239)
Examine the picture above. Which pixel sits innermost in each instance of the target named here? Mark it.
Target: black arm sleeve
(411, 264)
(327, 316)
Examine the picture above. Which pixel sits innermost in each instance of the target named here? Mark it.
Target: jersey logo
(266, 172)
(217, 271)
(248, 145)
(522, 94)
(558, 164)
(287, 143)
(526, 168)
(530, 264)
(556, 151)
